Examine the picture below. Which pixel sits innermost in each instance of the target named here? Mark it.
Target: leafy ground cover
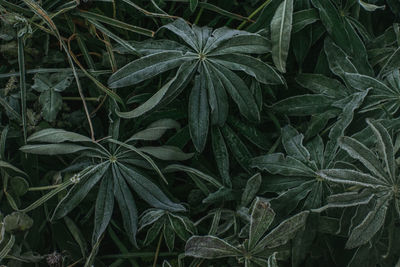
(199, 133)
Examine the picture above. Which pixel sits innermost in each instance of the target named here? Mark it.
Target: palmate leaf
(303, 162)
(215, 55)
(258, 248)
(114, 173)
(379, 187)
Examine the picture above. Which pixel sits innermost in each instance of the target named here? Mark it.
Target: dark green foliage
(199, 133)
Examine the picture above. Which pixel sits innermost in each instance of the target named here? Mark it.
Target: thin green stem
(42, 188)
(157, 250)
(76, 98)
(255, 12)
(198, 15)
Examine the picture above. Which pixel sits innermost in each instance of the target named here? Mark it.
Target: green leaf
(104, 207)
(348, 199)
(6, 165)
(53, 149)
(237, 147)
(166, 152)
(391, 64)
(19, 185)
(217, 97)
(278, 164)
(189, 170)
(209, 247)
(182, 226)
(385, 146)
(360, 152)
(251, 133)
(147, 190)
(238, 42)
(272, 262)
(126, 205)
(281, 27)
(261, 218)
(153, 232)
(115, 23)
(370, 7)
(177, 84)
(363, 82)
(147, 67)
(333, 22)
(261, 71)
(193, 4)
(52, 135)
(224, 37)
(344, 120)
(57, 82)
(221, 155)
(351, 177)
(79, 191)
(251, 189)
(77, 234)
(182, 29)
(51, 102)
(169, 236)
(199, 113)
(303, 105)
(371, 224)
(303, 18)
(320, 84)
(293, 143)
(17, 222)
(339, 61)
(281, 234)
(151, 46)
(155, 130)
(289, 200)
(150, 216)
(239, 92)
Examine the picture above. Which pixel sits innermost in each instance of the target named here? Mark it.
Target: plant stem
(138, 255)
(198, 15)
(73, 98)
(41, 188)
(157, 250)
(254, 13)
